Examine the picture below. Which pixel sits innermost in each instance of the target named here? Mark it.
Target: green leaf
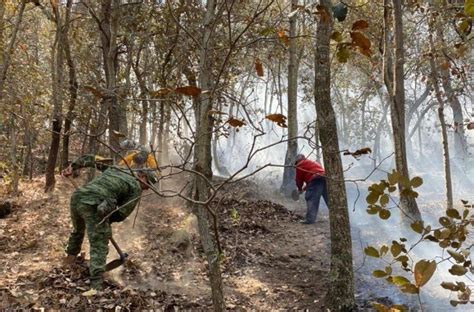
(336, 36)
(372, 197)
(458, 270)
(398, 308)
(384, 214)
(409, 289)
(416, 182)
(402, 259)
(417, 226)
(457, 256)
(450, 286)
(373, 209)
(424, 270)
(384, 199)
(379, 273)
(343, 54)
(400, 280)
(404, 181)
(395, 249)
(379, 307)
(453, 213)
(444, 221)
(388, 270)
(392, 189)
(469, 8)
(383, 250)
(372, 252)
(393, 177)
(431, 238)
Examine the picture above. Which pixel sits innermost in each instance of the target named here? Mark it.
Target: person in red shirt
(310, 178)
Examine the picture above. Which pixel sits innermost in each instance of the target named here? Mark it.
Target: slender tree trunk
(340, 296)
(288, 184)
(13, 152)
(108, 34)
(439, 98)
(7, 54)
(73, 85)
(397, 112)
(460, 142)
(203, 158)
(57, 98)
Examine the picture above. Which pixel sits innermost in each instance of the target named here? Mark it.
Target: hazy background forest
(225, 94)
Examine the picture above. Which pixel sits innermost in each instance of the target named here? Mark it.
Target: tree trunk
(57, 99)
(439, 98)
(460, 142)
(340, 296)
(14, 165)
(73, 85)
(288, 184)
(7, 54)
(397, 112)
(108, 35)
(203, 158)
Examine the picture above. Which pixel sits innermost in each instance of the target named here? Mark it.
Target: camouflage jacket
(113, 183)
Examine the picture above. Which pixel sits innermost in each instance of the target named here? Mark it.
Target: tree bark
(460, 141)
(288, 184)
(57, 99)
(439, 98)
(397, 112)
(7, 54)
(73, 86)
(108, 25)
(340, 296)
(203, 158)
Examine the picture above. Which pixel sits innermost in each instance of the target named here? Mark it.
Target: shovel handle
(119, 251)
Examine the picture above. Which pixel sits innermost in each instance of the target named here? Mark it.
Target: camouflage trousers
(85, 217)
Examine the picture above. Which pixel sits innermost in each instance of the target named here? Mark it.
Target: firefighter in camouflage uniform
(115, 187)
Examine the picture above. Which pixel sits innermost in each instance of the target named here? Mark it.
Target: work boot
(69, 260)
(97, 283)
(306, 222)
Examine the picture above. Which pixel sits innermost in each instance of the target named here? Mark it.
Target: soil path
(271, 261)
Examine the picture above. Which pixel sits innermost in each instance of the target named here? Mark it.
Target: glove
(106, 207)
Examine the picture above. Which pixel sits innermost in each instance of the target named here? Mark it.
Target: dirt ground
(271, 261)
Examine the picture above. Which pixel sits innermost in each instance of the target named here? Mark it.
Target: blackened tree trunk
(288, 184)
(340, 296)
(57, 99)
(73, 85)
(397, 112)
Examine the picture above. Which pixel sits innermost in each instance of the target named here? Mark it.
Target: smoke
(426, 160)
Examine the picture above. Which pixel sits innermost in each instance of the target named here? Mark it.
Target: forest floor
(272, 262)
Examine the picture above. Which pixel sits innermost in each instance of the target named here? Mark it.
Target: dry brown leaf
(189, 90)
(216, 112)
(279, 119)
(94, 91)
(360, 40)
(259, 67)
(470, 126)
(236, 123)
(161, 92)
(283, 37)
(360, 24)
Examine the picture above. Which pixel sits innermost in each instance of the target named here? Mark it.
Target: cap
(299, 158)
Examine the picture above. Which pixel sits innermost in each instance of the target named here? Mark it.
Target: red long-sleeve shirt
(306, 170)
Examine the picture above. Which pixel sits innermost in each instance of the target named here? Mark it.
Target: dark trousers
(314, 190)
